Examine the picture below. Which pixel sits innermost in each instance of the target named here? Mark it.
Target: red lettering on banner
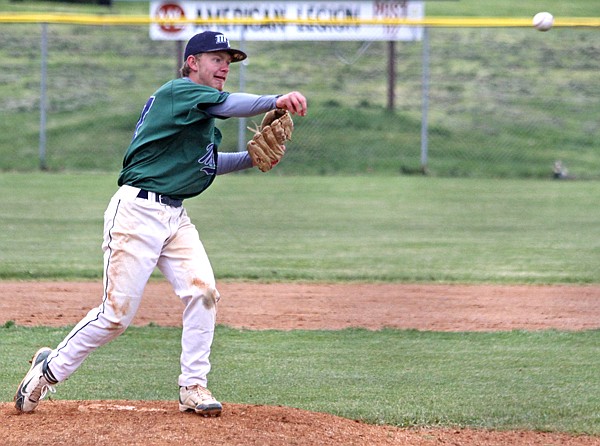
(391, 9)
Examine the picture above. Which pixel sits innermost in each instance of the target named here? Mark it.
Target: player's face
(213, 69)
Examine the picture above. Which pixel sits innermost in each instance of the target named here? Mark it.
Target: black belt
(163, 199)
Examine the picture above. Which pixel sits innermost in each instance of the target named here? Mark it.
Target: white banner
(284, 10)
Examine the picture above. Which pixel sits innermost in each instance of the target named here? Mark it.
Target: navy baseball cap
(209, 41)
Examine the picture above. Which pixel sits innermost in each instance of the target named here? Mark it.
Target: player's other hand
(294, 102)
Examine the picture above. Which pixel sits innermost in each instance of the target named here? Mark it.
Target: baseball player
(173, 156)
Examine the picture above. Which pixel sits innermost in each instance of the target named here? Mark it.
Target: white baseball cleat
(199, 399)
(36, 384)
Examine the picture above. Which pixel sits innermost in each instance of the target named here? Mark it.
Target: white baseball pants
(140, 235)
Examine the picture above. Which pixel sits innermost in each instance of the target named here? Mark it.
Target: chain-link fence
(501, 102)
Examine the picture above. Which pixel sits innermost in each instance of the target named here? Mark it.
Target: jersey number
(145, 111)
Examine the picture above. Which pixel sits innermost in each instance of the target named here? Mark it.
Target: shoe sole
(208, 411)
(37, 357)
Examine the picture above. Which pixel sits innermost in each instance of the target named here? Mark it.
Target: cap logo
(220, 38)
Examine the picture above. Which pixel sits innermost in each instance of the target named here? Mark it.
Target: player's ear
(193, 62)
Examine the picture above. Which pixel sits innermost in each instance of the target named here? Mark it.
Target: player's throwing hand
(294, 102)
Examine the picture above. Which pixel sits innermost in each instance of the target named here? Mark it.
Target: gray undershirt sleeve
(243, 105)
(240, 105)
(232, 162)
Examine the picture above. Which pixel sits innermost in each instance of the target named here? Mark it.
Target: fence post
(178, 57)
(425, 101)
(43, 92)
(391, 90)
(242, 121)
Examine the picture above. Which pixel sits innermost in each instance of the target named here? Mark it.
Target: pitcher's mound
(159, 423)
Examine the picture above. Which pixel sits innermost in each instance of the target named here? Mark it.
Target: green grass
(512, 8)
(279, 228)
(543, 381)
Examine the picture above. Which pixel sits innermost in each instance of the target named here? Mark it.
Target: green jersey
(174, 148)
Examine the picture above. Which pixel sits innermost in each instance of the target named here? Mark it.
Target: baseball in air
(543, 21)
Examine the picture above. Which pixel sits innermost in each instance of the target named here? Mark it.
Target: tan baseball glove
(266, 148)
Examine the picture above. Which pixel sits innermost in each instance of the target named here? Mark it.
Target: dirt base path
(328, 306)
(286, 307)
